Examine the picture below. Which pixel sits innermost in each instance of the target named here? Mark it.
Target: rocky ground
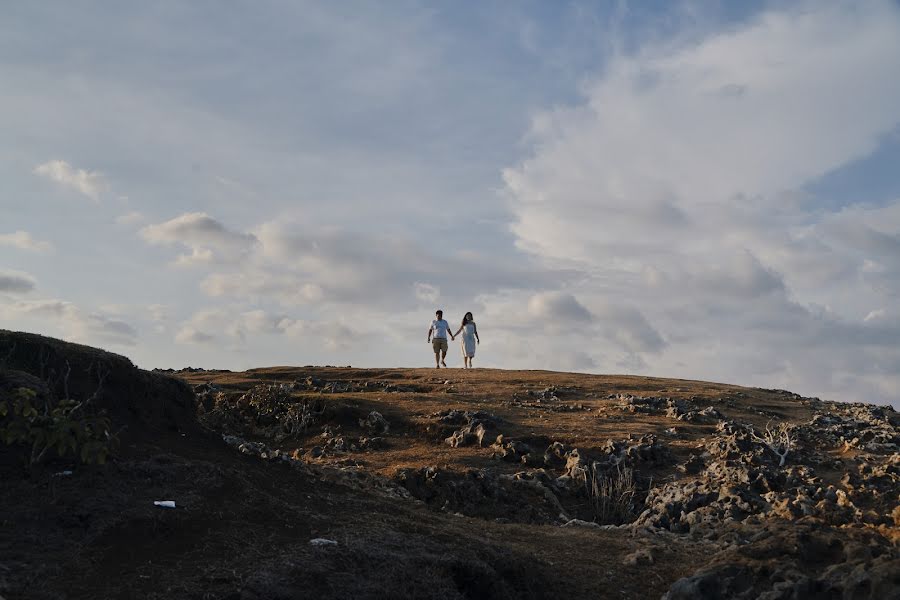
(419, 483)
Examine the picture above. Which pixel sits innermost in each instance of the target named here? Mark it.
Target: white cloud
(88, 183)
(676, 187)
(628, 328)
(558, 307)
(158, 312)
(65, 319)
(24, 241)
(672, 194)
(131, 218)
(657, 144)
(16, 282)
(39, 308)
(874, 315)
(189, 335)
(426, 292)
(288, 288)
(298, 264)
(206, 237)
(234, 326)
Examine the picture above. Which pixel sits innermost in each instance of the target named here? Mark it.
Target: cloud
(656, 138)
(426, 292)
(23, 241)
(92, 325)
(37, 308)
(189, 335)
(662, 219)
(298, 264)
(628, 328)
(235, 326)
(677, 187)
(158, 312)
(558, 307)
(332, 335)
(131, 218)
(88, 183)
(16, 282)
(69, 321)
(874, 315)
(206, 237)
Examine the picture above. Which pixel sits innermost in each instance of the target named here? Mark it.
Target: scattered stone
(555, 455)
(797, 562)
(375, 423)
(637, 404)
(694, 465)
(580, 523)
(476, 426)
(374, 443)
(639, 558)
(510, 450)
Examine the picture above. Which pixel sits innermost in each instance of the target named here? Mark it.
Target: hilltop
(296, 482)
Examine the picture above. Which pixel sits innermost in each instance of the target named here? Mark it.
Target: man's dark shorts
(439, 345)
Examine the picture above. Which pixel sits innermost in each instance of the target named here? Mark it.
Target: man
(437, 335)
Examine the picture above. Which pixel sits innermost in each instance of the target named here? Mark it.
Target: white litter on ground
(165, 503)
(322, 542)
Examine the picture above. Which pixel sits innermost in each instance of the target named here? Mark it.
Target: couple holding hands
(440, 329)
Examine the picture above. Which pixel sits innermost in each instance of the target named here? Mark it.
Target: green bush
(65, 428)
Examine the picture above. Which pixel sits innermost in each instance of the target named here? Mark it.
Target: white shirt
(440, 328)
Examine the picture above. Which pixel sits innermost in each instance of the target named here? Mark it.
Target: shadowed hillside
(416, 483)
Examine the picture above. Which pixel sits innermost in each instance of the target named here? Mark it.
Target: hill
(302, 482)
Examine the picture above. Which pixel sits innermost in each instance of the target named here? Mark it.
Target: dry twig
(779, 440)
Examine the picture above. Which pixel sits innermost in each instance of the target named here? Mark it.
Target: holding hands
(439, 332)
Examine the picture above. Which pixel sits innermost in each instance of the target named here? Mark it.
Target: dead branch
(102, 373)
(66, 379)
(778, 439)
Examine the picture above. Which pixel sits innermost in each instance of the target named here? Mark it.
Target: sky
(700, 190)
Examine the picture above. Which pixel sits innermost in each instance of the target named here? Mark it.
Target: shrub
(612, 495)
(267, 410)
(66, 428)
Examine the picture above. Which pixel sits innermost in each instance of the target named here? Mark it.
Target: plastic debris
(165, 503)
(63, 474)
(322, 542)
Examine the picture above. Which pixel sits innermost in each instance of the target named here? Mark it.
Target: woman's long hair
(466, 318)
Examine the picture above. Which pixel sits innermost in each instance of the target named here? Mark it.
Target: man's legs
(440, 351)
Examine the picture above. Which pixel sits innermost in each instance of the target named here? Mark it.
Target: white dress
(468, 339)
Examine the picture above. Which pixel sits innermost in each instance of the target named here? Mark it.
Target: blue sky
(700, 189)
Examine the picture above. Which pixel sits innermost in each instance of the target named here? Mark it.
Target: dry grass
(505, 395)
(612, 495)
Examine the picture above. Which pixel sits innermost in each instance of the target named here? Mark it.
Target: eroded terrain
(295, 482)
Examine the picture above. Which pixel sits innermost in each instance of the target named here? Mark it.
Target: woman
(469, 339)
